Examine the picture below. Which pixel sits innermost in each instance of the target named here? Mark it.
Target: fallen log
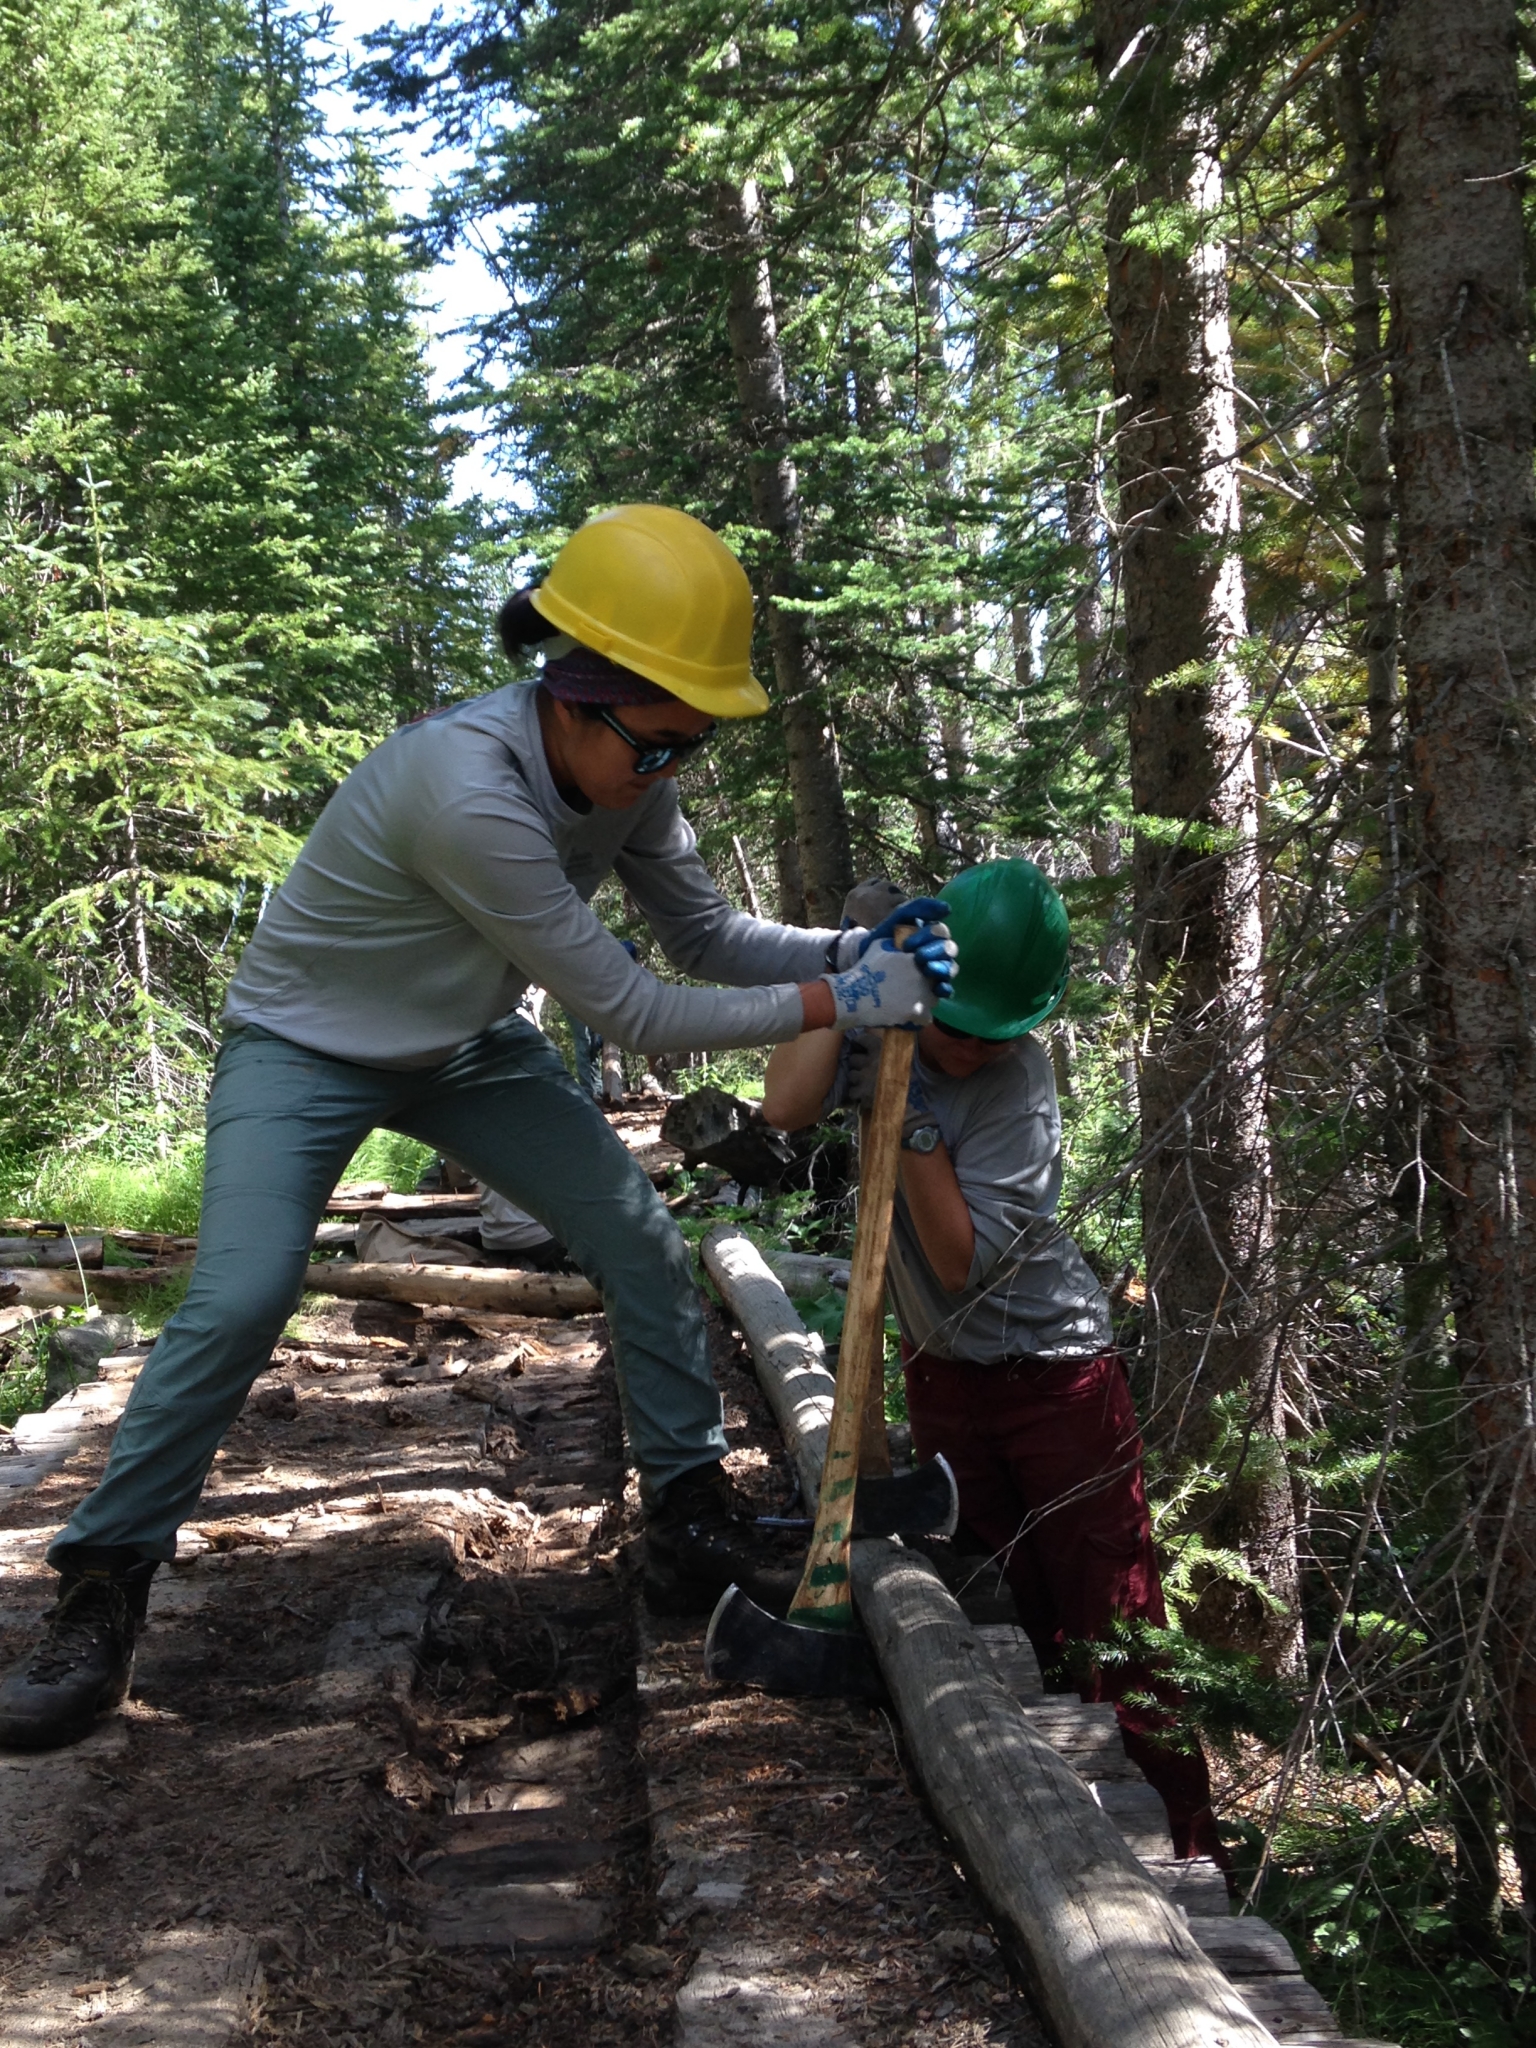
(159, 1244)
(791, 1362)
(114, 1286)
(14, 1319)
(500, 1287)
(83, 1248)
(351, 1202)
(1111, 1960)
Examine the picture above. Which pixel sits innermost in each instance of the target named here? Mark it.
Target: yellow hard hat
(656, 591)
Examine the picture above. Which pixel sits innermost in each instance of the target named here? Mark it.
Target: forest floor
(406, 1762)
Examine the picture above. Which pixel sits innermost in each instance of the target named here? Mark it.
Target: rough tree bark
(815, 773)
(1436, 1418)
(1206, 1199)
(1462, 450)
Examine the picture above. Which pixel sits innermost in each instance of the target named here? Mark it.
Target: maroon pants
(1047, 1457)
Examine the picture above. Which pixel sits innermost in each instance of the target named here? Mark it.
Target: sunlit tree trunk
(1462, 452)
(815, 774)
(1206, 1199)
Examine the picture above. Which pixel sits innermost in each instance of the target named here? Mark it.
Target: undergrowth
(1368, 1900)
(97, 1189)
(24, 1381)
(103, 1190)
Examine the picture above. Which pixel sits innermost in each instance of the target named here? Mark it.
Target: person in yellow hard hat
(453, 868)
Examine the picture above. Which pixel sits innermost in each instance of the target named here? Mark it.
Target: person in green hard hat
(1010, 1363)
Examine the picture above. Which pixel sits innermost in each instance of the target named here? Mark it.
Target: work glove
(888, 986)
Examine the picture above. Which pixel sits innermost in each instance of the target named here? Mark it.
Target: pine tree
(227, 563)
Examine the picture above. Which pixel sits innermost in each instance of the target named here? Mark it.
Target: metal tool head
(745, 1646)
(923, 1502)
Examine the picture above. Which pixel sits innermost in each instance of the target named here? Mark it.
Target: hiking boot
(82, 1667)
(701, 1538)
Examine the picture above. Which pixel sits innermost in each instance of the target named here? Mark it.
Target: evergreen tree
(227, 561)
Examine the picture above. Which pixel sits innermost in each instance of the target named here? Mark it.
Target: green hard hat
(1011, 928)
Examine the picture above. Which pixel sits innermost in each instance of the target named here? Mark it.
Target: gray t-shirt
(1030, 1291)
(447, 873)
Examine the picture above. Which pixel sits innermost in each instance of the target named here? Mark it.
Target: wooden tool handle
(823, 1595)
(874, 1444)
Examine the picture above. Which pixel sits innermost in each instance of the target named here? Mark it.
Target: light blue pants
(282, 1124)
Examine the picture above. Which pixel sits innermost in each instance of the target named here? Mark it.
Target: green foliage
(1369, 1898)
(24, 1380)
(99, 1189)
(386, 1155)
(227, 561)
(153, 1307)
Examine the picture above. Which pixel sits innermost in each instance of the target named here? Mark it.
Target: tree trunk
(1462, 449)
(1206, 1193)
(945, 721)
(791, 886)
(815, 773)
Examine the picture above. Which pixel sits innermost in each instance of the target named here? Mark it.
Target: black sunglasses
(651, 757)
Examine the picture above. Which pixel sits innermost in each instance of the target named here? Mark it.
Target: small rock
(275, 1404)
(953, 1945)
(641, 1960)
(488, 1385)
(74, 1352)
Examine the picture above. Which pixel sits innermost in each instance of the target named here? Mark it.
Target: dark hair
(521, 625)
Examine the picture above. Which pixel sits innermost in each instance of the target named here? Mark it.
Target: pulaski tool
(819, 1648)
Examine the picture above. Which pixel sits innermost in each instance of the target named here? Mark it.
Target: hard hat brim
(978, 1022)
(723, 693)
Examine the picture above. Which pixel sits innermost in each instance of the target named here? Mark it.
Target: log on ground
(83, 1248)
(529, 1294)
(791, 1362)
(1111, 1961)
(113, 1286)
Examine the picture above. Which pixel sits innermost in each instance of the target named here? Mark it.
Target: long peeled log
(791, 1363)
(1112, 1962)
(519, 1293)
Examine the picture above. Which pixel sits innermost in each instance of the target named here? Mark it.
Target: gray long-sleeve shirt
(447, 873)
(1030, 1292)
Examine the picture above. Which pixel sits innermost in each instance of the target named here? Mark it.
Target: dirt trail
(387, 1776)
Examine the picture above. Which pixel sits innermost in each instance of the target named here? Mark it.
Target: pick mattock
(818, 1649)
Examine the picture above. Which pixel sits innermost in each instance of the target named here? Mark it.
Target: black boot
(81, 1668)
(699, 1539)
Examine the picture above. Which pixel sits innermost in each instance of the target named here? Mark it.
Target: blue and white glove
(930, 942)
(889, 987)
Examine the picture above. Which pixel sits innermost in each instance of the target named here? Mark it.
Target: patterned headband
(583, 677)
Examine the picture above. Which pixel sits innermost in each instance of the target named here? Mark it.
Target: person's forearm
(799, 1074)
(940, 1216)
(817, 1004)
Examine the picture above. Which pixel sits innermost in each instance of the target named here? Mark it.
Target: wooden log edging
(791, 1362)
(1111, 1961)
(498, 1287)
